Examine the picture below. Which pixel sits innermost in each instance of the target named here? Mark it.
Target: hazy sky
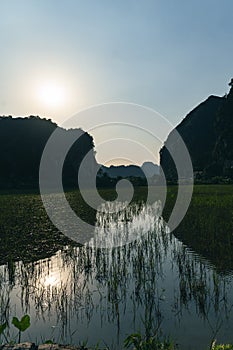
(60, 56)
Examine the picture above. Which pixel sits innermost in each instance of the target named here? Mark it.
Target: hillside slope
(198, 132)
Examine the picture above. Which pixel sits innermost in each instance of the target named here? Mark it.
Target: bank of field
(26, 232)
(207, 227)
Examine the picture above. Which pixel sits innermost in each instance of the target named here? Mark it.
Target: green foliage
(151, 343)
(83, 345)
(49, 341)
(211, 217)
(223, 347)
(3, 327)
(21, 325)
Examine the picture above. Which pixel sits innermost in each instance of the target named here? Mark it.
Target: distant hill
(147, 174)
(123, 171)
(22, 141)
(148, 169)
(198, 130)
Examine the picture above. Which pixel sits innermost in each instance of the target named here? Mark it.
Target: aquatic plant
(22, 324)
(143, 343)
(222, 347)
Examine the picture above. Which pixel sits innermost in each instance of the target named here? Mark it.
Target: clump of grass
(215, 346)
(223, 347)
(147, 343)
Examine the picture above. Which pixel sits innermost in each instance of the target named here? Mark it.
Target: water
(132, 275)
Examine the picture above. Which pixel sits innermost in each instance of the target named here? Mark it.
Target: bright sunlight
(52, 94)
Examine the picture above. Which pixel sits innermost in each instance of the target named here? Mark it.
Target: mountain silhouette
(148, 173)
(198, 131)
(22, 141)
(222, 158)
(150, 169)
(124, 171)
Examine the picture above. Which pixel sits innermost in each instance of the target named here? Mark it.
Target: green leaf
(2, 327)
(16, 323)
(23, 324)
(132, 339)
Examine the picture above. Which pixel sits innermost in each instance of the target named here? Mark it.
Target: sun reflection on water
(52, 280)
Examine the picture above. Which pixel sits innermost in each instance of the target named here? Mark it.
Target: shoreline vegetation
(133, 342)
(54, 346)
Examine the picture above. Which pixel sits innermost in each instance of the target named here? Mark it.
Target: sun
(51, 94)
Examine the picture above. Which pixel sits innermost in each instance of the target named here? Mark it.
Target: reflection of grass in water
(208, 225)
(118, 274)
(27, 233)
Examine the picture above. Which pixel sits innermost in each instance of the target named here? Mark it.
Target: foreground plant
(2, 329)
(135, 341)
(22, 324)
(222, 347)
(152, 343)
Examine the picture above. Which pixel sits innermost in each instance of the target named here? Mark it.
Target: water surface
(132, 275)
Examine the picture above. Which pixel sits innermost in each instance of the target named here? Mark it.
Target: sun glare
(52, 95)
(51, 280)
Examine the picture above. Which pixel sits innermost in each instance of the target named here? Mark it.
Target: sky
(59, 57)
